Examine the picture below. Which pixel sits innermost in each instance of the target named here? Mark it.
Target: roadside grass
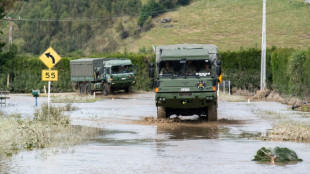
(230, 25)
(231, 98)
(270, 115)
(75, 99)
(284, 128)
(289, 130)
(43, 131)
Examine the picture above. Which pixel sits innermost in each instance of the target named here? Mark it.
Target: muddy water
(131, 144)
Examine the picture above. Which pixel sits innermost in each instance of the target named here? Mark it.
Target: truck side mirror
(218, 70)
(218, 67)
(151, 70)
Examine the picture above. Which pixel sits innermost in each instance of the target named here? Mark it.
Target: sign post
(50, 58)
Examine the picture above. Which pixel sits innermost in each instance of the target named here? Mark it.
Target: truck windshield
(188, 68)
(122, 69)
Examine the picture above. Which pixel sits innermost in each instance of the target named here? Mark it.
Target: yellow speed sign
(49, 75)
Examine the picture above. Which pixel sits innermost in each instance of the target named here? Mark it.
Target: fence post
(223, 86)
(229, 86)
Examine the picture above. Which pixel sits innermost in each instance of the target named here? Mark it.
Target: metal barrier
(3, 97)
(225, 86)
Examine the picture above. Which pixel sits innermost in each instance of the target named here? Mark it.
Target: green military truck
(186, 80)
(102, 74)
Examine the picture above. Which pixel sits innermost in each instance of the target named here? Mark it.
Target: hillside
(230, 25)
(93, 27)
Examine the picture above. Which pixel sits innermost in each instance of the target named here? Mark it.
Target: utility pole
(263, 54)
(10, 32)
(10, 42)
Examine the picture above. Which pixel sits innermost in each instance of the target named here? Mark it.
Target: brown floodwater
(132, 141)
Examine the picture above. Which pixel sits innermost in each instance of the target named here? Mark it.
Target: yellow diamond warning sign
(50, 58)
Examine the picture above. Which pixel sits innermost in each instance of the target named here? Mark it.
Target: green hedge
(242, 68)
(26, 73)
(291, 72)
(288, 71)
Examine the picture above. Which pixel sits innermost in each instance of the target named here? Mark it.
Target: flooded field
(133, 141)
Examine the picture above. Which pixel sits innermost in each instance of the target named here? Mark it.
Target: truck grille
(185, 93)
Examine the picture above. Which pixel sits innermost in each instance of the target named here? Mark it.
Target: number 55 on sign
(49, 75)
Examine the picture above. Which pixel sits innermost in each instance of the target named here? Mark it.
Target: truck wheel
(112, 90)
(82, 88)
(106, 89)
(87, 89)
(212, 112)
(161, 112)
(75, 87)
(127, 89)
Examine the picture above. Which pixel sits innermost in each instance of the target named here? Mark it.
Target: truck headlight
(209, 97)
(162, 99)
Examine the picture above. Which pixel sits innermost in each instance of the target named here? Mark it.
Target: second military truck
(102, 74)
(186, 80)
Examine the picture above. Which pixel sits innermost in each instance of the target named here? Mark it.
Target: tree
(152, 8)
(5, 57)
(1, 43)
(168, 3)
(183, 2)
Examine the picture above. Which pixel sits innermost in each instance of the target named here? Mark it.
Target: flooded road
(131, 141)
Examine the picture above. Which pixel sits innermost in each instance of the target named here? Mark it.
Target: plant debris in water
(277, 154)
(48, 128)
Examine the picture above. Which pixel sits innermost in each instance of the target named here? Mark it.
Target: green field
(230, 24)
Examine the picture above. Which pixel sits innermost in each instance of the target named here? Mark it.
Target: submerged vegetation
(277, 154)
(74, 99)
(46, 130)
(284, 127)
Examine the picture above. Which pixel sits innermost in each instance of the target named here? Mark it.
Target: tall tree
(1, 17)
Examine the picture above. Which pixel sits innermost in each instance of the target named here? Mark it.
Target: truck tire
(106, 89)
(87, 89)
(75, 87)
(127, 89)
(212, 112)
(112, 90)
(82, 88)
(161, 112)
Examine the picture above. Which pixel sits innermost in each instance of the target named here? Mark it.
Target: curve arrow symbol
(48, 55)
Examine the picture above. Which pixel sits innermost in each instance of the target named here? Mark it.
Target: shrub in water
(277, 154)
(53, 115)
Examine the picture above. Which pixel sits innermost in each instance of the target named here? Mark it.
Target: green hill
(230, 24)
(92, 27)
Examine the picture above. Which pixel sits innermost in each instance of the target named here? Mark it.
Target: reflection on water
(188, 132)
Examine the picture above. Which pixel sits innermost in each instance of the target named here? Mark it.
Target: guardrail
(4, 97)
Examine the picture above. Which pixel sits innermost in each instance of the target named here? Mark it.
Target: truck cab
(186, 80)
(119, 75)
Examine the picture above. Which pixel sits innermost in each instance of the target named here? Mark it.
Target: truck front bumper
(185, 100)
(122, 83)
